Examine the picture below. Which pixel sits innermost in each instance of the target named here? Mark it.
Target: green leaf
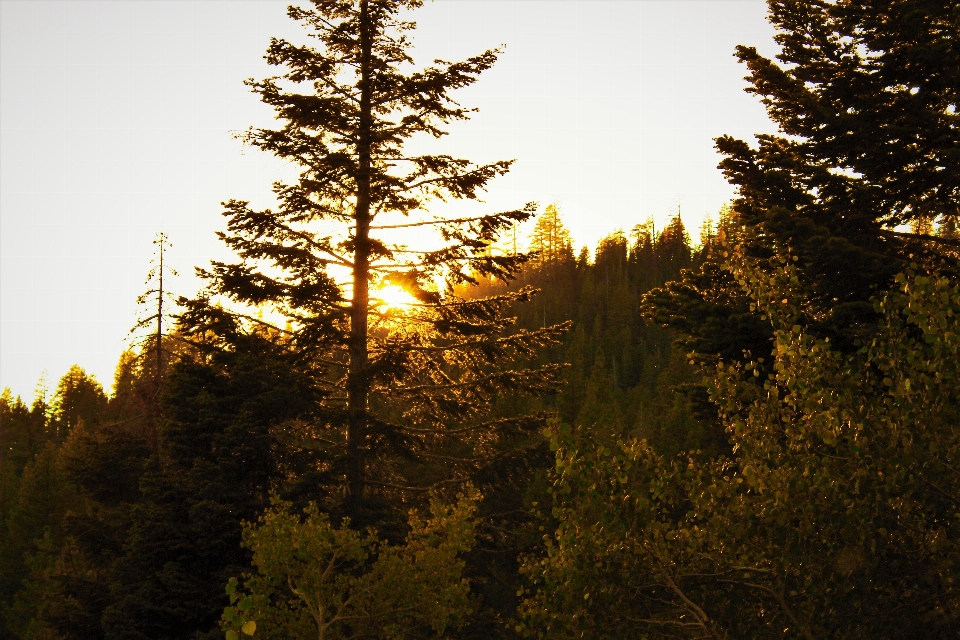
(232, 635)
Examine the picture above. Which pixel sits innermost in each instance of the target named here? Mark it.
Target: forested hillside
(748, 433)
(622, 372)
(126, 510)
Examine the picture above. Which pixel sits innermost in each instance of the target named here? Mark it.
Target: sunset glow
(392, 297)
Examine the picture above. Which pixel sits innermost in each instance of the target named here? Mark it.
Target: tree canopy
(865, 99)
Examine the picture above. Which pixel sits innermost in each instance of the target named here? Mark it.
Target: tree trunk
(159, 353)
(357, 384)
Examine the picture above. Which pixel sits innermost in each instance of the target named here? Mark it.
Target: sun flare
(392, 297)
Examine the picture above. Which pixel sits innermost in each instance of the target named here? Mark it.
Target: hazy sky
(116, 120)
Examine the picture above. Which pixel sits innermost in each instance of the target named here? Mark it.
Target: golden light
(392, 297)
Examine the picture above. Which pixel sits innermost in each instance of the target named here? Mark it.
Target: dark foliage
(219, 457)
(869, 140)
(403, 395)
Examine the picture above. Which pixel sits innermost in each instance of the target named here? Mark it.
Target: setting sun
(392, 296)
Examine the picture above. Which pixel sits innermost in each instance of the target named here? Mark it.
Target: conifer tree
(156, 304)
(142, 371)
(865, 96)
(226, 422)
(40, 408)
(21, 432)
(406, 390)
(673, 246)
(79, 397)
(550, 240)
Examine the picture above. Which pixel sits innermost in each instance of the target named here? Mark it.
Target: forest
(747, 430)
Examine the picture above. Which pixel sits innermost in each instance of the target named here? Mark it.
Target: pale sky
(116, 120)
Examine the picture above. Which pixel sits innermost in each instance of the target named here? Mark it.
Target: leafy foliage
(835, 513)
(317, 580)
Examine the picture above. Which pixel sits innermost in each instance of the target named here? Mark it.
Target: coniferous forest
(747, 430)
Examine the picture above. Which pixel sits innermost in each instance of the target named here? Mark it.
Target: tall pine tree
(405, 391)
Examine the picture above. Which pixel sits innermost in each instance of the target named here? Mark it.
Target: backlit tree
(550, 240)
(406, 385)
(865, 95)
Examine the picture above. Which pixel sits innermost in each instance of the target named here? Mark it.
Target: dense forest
(745, 432)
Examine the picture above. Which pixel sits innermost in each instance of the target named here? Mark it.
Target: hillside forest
(746, 430)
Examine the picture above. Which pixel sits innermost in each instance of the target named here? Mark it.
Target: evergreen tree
(23, 437)
(64, 541)
(142, 370)
(22, 432)
(156, 305)
(229, 417)
(865, 96)
(868, 92)
(40, 408)
(619, 364)
(79, 398)
(550, 240)
(33, 527)
(406, 391)
(674, 246)
(132, 407)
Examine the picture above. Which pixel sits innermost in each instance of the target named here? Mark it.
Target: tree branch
(428, 222)
(889, 233)
(780, 599)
